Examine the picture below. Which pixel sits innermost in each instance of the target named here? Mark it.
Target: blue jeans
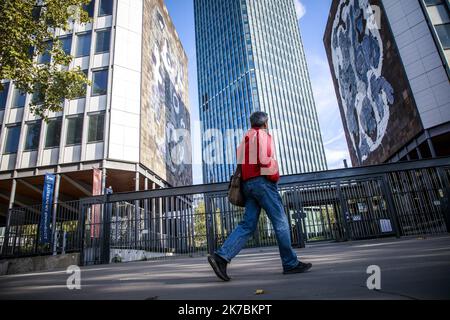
(261, 193)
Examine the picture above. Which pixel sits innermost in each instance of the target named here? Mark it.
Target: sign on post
(46, 213)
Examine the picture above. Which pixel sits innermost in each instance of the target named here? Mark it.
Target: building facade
(250, 58)
(438, 19)
(389, 62)
(126, 123)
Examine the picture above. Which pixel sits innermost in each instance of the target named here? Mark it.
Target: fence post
(55, 242)
(299, 228)
(301, 224)
(54, 216)
(391, 205)
(10, 210)
(344, 209)
(106, 249)
(137, 211)
(83, 232)
(298, 217)
(445, 203)
(38, 230)
(210, 239)
(63, 251)
(146, 218)
(6, 239)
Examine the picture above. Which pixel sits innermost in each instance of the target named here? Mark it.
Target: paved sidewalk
(411, 268)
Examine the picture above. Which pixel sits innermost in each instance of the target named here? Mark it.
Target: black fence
(21, 236)
(401, 199)
(382, 201)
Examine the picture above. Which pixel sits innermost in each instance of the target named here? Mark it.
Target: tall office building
(124, 125)
(390, 65)
(250, 58)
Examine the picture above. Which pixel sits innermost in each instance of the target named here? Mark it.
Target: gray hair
(258, 119)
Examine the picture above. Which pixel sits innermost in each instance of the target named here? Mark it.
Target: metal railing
(369, 202)
(401, 199)
(2, 238)
(22, 232)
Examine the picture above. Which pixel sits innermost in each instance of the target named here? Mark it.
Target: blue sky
(313, 17)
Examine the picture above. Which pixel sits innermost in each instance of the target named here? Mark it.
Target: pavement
(411, 268)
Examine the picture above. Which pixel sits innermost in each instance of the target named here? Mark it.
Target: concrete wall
(36, 264)
(126, 86)
(124, 255)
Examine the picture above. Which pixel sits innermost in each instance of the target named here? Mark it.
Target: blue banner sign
(47, 205)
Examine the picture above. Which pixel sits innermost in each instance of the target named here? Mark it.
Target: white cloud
(335, 139)
(299, 9)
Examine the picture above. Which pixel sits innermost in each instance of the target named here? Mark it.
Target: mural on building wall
(357, 51)
(370, 81)
(165, 86)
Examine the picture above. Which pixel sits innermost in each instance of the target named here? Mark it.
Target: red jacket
(256, 153)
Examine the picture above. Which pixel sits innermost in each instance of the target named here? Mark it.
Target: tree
(26, 32)
(200, 225)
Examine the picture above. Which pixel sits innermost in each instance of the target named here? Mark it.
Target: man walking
(260, 176)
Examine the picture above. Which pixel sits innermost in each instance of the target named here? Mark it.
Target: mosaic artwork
(166, 117)
(366, 95)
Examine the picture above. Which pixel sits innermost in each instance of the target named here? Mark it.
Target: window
(38, 96)
(99, 82)
(45, 57)
(66, 44)
(32, 139)
(96, 127)
(105, 8)
(83, 95)
(31, 52)
(83, 45)
(36, 13)
(103, 41)
(74, 130)
(18, 99)
(433, 2)
(12, 139)
(4, 95)
(89, 8)
(53, 137)
(443, 31)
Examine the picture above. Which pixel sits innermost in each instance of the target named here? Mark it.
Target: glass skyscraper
(250, 57)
